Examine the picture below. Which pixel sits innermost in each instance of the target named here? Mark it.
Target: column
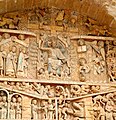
(26, 108)
(88, 108)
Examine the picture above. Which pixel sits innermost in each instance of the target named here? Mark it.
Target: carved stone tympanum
(56, 64)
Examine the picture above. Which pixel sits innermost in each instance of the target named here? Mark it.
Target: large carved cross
(53, 28)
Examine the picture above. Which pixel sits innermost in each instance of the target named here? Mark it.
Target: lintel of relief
(18, 32)
(66, 82)
(93, 37)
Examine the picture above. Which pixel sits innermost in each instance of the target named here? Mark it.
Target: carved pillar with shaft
(26, 108)
(88, 108)
(56, 108)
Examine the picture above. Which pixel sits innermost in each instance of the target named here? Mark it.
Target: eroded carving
(103, 107)
(55, 59)
(3, 105)
(111, 61)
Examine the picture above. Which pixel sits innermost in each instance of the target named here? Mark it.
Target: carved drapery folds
(14, 55)
(10, 105)
(54, 58)
(100, 106)
(15, 107)
(51, 57)
(3, 104)
(111, 59)
(53, 54)
(92, 61)
(46, 109)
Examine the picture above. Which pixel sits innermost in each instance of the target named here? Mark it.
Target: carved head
(21, 37)
(5, 82)
(114, 42)
(34, 102)
(48, 86)
(4, 98)
(73, 20)
(101, 44)
(12, 83)
(19, 99)
(24, 50)
(24, 83)
(94, 42)
(81, 42)
(13, 99)
(14, 49)
(41, 70)
(82, 61)
(1, 93)
(6, 36)
(17, 84)
(54, 43)
(42, 33)
(49, 43)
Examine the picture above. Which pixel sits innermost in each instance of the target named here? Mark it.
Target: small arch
(15, 111)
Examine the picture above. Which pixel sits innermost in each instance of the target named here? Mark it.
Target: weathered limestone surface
(56, 65)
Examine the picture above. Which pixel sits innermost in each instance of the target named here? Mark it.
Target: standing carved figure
(6, 41)
(2, 60)
(4, 108)
(11, 61)
(34, 109)
(22, 63)
(13, 108)
(44, 110)
(109, 110)
(50, 110)
(19, 108)
(83, 69)
(101, 49)
(98, 57)
(61, 105)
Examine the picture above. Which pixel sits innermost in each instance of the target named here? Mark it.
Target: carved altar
(56, 65)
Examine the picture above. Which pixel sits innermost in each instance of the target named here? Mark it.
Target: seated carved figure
(55, 58)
